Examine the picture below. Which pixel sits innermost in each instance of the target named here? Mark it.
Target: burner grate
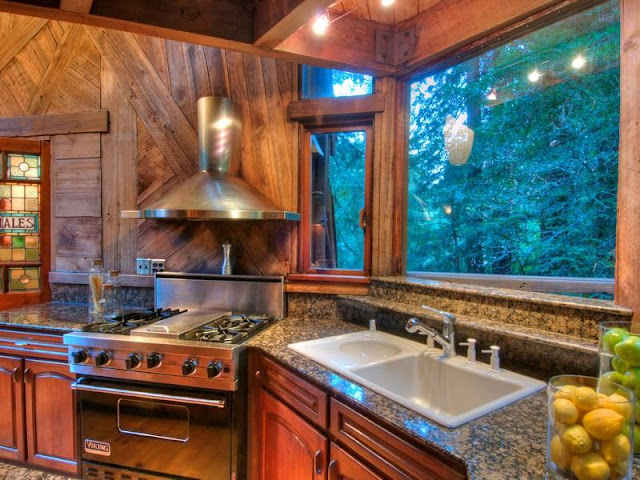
(230, 329)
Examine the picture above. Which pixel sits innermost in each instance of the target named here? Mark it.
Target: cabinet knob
(16, 375)
(259, 374)
(332, 470)
(317, 462)
(27, 375)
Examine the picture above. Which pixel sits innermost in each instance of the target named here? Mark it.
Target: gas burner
(234, 328)
(123, 324)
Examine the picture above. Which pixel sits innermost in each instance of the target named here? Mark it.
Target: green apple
(613, 377)
(631, 380)
(628, 350)
(612, 337)
(619, 365)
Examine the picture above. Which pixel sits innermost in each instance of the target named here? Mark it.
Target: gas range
(194, 337)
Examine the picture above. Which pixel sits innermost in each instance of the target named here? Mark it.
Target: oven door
(177, 432)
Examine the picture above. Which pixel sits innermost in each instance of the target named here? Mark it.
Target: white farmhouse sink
(449, 391)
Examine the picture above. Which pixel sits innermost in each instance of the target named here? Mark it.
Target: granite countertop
(507, 444)
(8, 472)
(58, 317)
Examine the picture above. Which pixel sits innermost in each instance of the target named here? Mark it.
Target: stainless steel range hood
(215, 192)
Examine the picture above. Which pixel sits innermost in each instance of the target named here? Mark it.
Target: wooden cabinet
(289, 438)
(291, 448)
(11, 409)
(343, 466)
(50, 415)
(37, 411)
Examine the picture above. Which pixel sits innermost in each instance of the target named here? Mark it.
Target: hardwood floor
(15, 472)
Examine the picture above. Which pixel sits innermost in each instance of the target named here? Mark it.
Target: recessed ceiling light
(387, 3)
(578, 62)
(534, 75)
(320, 24)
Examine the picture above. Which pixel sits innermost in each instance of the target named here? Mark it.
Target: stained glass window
(20, 222)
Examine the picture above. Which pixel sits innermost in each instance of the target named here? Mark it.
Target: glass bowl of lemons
(590, 429)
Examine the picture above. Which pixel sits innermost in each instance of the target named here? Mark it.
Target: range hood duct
(215, 192)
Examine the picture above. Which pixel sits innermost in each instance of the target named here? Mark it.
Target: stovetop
(211, 327)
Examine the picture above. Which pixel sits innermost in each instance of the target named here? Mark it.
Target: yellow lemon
(617, 403)
(616, 450)
(585, 398)
(603, 423)
(559, 454)
(566, 391)
(564, 411)
(576, 439)
(619, 471)
(590, 466)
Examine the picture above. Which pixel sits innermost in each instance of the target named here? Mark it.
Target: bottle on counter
(112, 295)
(96, 292)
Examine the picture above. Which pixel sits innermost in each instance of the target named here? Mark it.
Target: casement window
(513, 158)
(24, 222)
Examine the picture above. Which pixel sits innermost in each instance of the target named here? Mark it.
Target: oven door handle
(148, 395)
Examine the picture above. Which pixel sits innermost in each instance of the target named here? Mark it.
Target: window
(513, 156)
(336, 185)
(23, 221)
(318, 82)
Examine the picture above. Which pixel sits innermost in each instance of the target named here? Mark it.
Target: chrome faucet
(448, 336)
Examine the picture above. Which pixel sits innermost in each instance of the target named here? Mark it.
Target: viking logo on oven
(97, 448)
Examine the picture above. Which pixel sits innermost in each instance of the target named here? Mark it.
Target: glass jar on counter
(619, 355)
(590, 429)
(96, 292)
(112, 295)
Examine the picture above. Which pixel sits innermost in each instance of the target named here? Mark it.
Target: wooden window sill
(328, 284)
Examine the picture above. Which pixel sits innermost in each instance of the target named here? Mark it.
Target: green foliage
(538, 193)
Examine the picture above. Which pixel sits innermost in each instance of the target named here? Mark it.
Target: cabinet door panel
(11, 409)
(343, 466)
(290, 448)
(50, 415)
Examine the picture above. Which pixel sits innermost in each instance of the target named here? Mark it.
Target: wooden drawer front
(32, 344)
(343, 466)
(391, 455)
(304, 398)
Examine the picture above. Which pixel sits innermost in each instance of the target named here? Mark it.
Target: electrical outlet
(157, 265)
(143, 266)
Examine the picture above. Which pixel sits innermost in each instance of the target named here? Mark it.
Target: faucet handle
(372, 325)
(494, 350)
(471, 351)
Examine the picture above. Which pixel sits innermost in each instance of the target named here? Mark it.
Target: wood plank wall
(150, 87)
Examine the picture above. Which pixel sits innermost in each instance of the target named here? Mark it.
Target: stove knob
(79, 356)
(214, 369)
(133, 361)
(189, 366)
(102, 358)
(153, 360)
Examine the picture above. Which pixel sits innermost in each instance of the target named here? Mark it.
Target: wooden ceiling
(396, 40)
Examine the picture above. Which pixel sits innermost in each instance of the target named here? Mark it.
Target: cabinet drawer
(32, 344)
(388, 453)
(309, 401)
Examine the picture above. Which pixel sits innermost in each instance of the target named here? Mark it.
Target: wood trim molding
(317, 111)
(327, 288)
(627, 292)
(31, 126)
(81, 278)
(78, 6)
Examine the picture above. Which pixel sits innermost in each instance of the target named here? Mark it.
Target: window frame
(306, 197)
(509, 33)
(41, 148)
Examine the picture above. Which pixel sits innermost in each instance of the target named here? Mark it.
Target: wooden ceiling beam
(78, 6)
(276, 20)
(356, 58)
(349, 41)
(450, 25)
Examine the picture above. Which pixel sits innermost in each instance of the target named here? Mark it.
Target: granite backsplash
(141, 297)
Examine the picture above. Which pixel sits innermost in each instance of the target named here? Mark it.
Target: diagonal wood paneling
(150, 86)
